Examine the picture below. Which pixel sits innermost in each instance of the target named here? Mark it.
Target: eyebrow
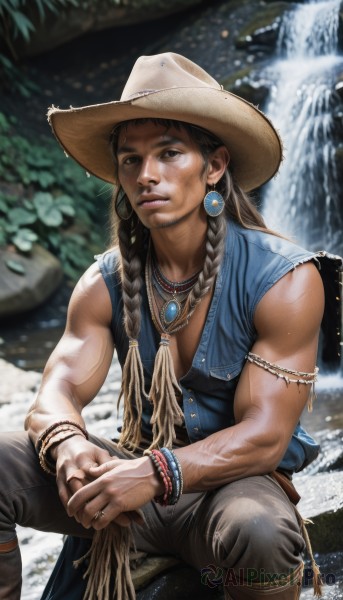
(165, 142)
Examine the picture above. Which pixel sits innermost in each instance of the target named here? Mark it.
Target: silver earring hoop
(122, 206)
(213, 203)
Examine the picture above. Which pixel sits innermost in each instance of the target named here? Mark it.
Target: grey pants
(244, 527)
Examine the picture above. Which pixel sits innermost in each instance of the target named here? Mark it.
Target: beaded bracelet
(169, 469)
(161, 466)
(176, 472)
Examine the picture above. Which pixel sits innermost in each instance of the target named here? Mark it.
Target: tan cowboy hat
(169, 86)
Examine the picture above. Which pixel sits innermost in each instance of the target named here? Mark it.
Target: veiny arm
(73, 375)
(267, 410)
(287, 321)
(79, 364)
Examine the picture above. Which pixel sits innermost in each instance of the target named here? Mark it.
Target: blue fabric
(253, 262)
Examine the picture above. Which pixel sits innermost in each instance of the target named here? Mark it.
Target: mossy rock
(26, 281)
(263, 29)
(242, 84)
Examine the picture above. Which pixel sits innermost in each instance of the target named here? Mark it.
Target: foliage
(15, 22)
(38, 201)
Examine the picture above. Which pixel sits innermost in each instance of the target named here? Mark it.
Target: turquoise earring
(214, 203)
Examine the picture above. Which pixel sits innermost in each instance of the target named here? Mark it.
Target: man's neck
(179, 250)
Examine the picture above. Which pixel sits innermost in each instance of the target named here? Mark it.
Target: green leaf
(15, 266)
(66, 205)
(23, 25)
(50, 216)
(21, 216)
(42, 200)
(44, 178)
(23, 239)
(4, 125)
(3, 205)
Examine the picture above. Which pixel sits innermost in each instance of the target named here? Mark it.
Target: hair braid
(130, 237)
(215, 243)
(131, 275)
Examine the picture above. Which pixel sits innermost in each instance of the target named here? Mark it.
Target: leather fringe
(109, 554)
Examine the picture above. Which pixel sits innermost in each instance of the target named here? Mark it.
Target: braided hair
(132, 238)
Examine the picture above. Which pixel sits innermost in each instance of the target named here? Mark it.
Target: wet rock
(27, 281)
(181, 583)
(331, 453)
(262, 31)
(14, 383)
(322, 503)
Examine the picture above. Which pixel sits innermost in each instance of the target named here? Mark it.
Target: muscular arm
(287, 321)
(267, 410)
(79, 364)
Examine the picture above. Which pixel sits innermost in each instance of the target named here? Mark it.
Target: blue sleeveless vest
(252, 263)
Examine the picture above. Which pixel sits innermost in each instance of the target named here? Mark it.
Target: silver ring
(98, 515)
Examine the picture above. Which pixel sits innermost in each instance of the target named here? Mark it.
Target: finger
(83, 496)
(97, 471)
(74, 486)
(77, 474)
(64, 493)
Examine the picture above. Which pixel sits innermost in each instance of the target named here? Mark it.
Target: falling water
(303, 201)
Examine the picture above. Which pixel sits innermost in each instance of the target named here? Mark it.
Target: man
(215, 321)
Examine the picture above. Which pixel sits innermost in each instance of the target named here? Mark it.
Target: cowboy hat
(169, 86)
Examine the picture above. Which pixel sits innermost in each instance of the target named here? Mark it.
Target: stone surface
(16, 383)
(322, 503)
(20, 292)
(262, 30)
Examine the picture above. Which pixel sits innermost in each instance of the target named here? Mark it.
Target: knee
(257, 538)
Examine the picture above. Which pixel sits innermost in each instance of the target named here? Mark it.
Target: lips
(151, 200)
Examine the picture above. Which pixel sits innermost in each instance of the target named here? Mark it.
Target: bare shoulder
(295, 302)
(90, 300)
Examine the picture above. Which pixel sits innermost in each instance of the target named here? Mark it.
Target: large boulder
(27, 281)
(73, 21)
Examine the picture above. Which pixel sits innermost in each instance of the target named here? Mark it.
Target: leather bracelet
(53, 435)
(49, 429)
(45, 461)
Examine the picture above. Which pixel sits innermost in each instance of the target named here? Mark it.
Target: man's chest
(184, 344)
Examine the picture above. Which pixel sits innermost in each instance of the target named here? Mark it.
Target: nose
(149, 171)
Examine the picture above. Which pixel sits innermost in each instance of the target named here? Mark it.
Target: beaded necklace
(172, 315)
(172, 293)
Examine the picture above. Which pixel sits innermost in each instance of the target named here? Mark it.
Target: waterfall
(303, 201)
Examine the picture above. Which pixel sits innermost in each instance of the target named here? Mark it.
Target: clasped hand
(97, 489)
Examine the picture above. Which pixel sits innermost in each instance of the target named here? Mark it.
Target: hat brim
(253, 143)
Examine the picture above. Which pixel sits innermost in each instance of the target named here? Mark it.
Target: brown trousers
(245, 531)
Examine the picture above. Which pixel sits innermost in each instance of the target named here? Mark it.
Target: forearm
(73, 376)
(55, 402)
(239, 451)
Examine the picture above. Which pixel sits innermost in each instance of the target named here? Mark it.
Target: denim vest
(252, 263)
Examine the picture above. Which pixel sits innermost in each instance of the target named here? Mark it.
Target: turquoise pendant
(170, 311)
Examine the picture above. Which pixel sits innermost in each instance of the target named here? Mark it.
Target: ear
(217, 164)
